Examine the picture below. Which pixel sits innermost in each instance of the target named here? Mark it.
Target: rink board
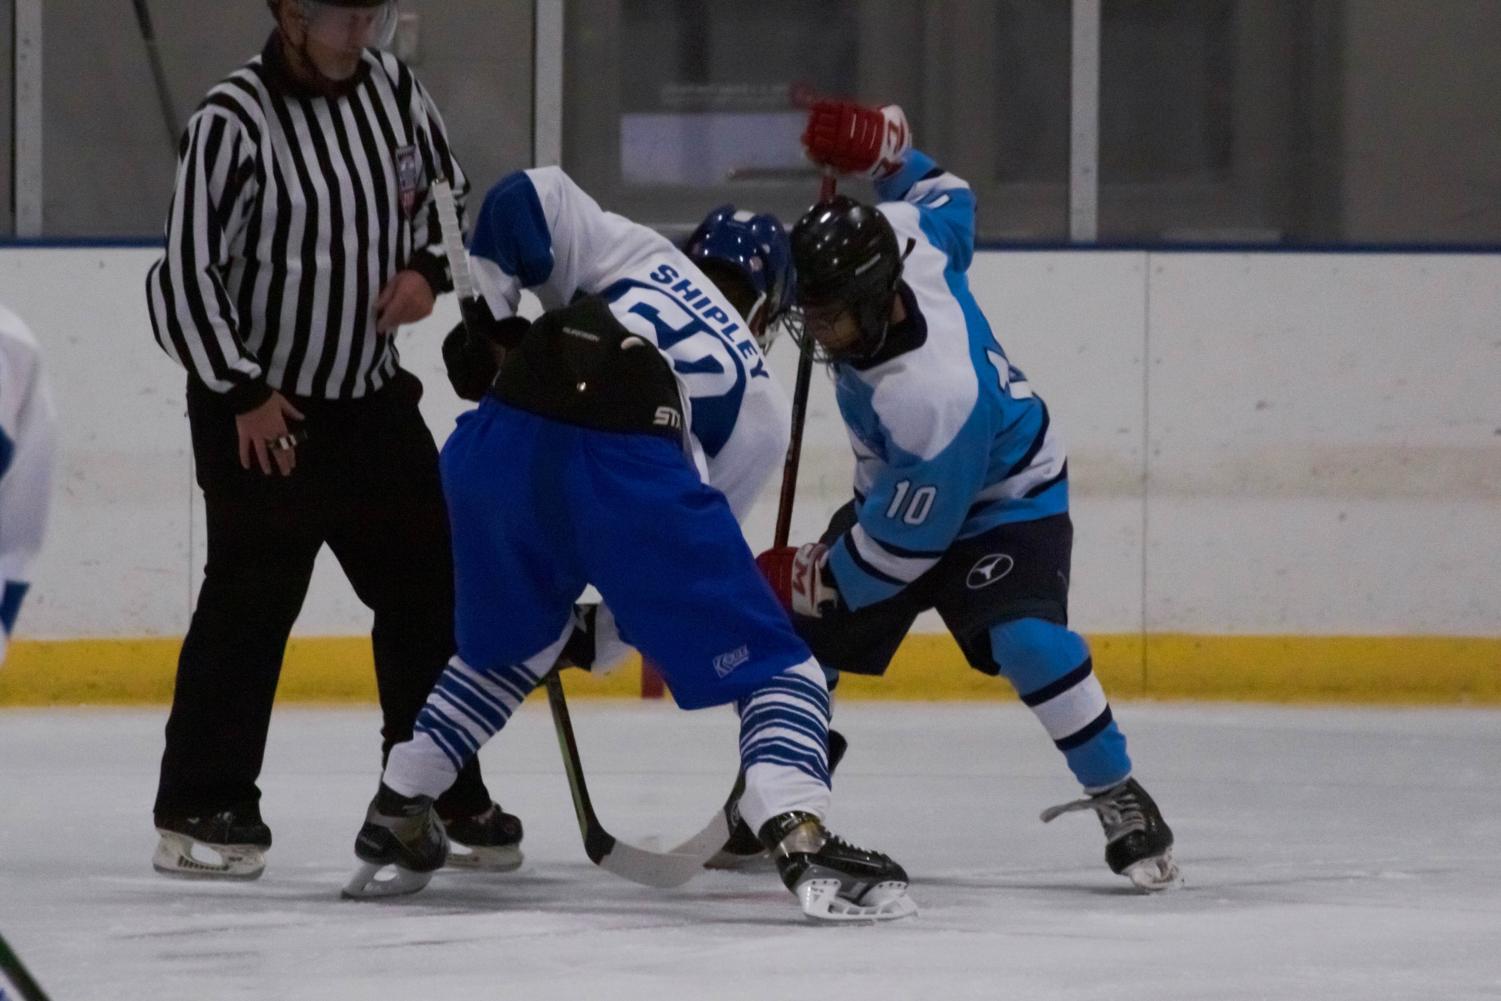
(1332, 669)
(1285, 474)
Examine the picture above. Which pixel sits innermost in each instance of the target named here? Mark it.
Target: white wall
(1277, 443)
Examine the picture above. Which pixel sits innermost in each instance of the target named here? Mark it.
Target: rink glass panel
(1277, 122)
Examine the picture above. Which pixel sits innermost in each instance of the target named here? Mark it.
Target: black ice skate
(402, 833)
(831, 878)
(488, 841)
(236, 839)
(743, 850)
(1138, 842)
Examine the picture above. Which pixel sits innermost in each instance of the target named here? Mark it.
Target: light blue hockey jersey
(540, 231)
(949, 439)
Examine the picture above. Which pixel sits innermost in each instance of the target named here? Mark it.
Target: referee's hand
(263, 433)
(406, 298)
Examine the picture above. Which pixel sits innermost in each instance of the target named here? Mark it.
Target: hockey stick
(13, 972)
(159, 77)
(649, 868)
(799, 408)
(639, 865)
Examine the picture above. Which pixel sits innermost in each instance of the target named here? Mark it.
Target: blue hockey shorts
(540, 508)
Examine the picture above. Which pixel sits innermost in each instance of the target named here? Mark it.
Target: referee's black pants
(367, 485)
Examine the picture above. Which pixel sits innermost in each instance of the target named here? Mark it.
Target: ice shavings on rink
(1328, 853)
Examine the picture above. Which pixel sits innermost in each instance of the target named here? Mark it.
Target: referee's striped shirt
(291, 213)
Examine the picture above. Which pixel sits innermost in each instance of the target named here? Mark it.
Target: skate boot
(1138, 842)
(489, 840)
(401, 833)
(832, 879)
(743, 850)
(235, 837)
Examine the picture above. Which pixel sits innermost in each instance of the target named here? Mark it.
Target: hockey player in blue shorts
(595, 456)
(961, 484)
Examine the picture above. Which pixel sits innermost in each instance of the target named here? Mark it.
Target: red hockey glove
(797, 576)
(854, 139)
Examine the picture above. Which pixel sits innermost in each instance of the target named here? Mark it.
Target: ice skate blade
(365, 884)
(1154, 875)
(174, 857)
(821, 902)
(505, 858)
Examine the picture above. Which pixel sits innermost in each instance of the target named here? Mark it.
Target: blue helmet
(757, 247)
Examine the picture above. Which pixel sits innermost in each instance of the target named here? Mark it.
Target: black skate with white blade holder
(236, 840)
(832, 879)
(402, 835)
(743, 850)
(489, 841)
(1138, 842)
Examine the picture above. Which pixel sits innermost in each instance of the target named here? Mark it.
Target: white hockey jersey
(27, 443)
(540, 231)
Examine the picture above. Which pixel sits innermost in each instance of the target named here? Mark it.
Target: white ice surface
(1329, 854)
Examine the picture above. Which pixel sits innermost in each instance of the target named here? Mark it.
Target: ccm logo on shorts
(989, 570)
(727, 662)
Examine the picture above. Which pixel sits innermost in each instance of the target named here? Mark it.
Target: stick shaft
(12, 970)
(453, 240)
(800, 389)
(159, 77)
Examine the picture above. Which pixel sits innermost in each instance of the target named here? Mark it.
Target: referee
(301, 237)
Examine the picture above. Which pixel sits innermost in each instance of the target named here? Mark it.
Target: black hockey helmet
(847, 260)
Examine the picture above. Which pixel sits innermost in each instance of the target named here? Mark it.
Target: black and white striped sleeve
(192, 312)
(438, 163)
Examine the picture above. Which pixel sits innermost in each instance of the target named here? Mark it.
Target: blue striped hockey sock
(784, 735)
(465, 709)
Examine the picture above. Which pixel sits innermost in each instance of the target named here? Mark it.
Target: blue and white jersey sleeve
(916, 475)
(538, 230)
(27, 445)
(944, 202)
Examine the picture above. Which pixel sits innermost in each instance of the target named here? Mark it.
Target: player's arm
(539, 230)
(945, 202)
(905, 522)
(192, 314)
(877, 143)
(27, 448)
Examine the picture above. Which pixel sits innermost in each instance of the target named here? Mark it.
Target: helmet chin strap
(758, 309)
(879, 341)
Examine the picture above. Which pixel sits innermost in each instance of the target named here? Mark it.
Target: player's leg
(515, 580)
(390, 534)
(262, 543)
(858, 642)
(861, 642)
(669, 559)
(403, 840)
(1006, 599)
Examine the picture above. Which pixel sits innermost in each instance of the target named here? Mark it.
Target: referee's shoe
(489, 840)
